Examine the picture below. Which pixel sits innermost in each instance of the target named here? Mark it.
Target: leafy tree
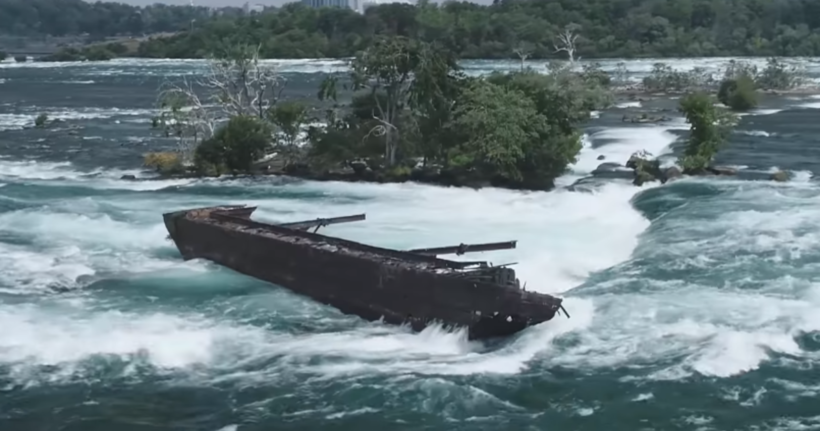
(235, 146)
(288, 117)
(398, 73)
(738, 94)
(709, 129)
(505, 136)
(563, 96)
(494, 125)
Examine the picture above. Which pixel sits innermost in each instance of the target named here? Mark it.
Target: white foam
(627, 140)
(716, 330)
(563, 236)
(18, 121)
(810, 105)
(67, 174)
(761, 133)
(63, 245)
(35, 336)
(630, 104)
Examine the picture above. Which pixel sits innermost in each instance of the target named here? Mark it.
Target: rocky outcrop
(721, 170)
(671, 173)
(779, 176)
(645, 118)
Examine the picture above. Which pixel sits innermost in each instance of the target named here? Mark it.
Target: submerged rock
(670, 174)
(722, 170)
(645, 118)
(779, 176)
(129, 177)
(612, 170)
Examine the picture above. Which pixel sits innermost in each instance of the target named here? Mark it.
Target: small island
(410, 113)
(406, 111)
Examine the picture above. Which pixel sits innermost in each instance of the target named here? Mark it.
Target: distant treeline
(604, 28)
(101, 19)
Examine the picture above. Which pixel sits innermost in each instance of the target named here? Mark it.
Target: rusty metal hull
(371, 282)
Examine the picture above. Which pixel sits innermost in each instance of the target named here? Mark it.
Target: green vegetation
(41, 121)
(412, 114)
(88, 53)
(167, 163)
(738, 93)
(709, 130)
(776, 76)
(522, 29)
(234, 147)
(35, 18)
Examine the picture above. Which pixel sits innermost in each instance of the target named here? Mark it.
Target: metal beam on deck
(465, 248)
(320, 222)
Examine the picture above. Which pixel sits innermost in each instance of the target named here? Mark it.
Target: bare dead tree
(566, 42)
(184, 117)
(236, 83)
(243, 85)
(523, 50)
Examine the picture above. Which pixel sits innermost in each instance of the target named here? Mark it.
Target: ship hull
(368, 288)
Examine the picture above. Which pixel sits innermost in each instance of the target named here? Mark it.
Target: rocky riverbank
(365, 171)
(641, 170)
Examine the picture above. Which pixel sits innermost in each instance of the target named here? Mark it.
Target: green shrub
(234, 147)
(164, 162)
(738, 94)
(41, 120)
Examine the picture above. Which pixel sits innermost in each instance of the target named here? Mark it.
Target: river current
(694, 305)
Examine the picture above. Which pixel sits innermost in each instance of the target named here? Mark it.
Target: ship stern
(532, 310)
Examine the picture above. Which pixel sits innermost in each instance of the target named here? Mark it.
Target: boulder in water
(722, 170)
(779, 176)
(129, 177)
(612, 170)
(670, 174)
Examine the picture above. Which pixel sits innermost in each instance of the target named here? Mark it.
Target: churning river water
(694, 305)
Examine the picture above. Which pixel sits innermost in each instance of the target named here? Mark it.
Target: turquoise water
(693, 304)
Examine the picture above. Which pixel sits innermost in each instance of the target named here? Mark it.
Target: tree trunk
(390, 146)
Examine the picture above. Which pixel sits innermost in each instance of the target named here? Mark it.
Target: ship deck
(221, 216)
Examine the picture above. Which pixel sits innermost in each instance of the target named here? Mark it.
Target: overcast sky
(237, 3)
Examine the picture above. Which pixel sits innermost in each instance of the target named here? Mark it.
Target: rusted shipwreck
(413, 287)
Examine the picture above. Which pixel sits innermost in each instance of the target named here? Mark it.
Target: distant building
(369, 3)
(357, 5)
(352, 4)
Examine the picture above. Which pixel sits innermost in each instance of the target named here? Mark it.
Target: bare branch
(566, 42)
(242, 85)
(235, 84)
(523, 50)
(184, 117)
